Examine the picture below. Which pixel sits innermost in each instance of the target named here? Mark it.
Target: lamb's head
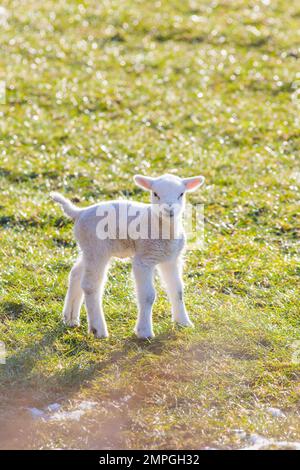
(168, 191)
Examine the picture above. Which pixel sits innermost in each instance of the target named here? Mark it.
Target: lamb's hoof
(144, 334)
(71, 323)
(98, 334)
(185, 323)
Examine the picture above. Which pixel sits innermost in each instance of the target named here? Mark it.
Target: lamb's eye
(180, 195)
(156, 195)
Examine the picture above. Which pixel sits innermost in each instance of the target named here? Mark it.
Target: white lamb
(98, 244)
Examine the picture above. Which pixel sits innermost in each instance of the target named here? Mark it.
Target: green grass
(96, 92)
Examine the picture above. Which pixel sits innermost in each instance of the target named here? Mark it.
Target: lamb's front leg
(172, 276)
(146, 295)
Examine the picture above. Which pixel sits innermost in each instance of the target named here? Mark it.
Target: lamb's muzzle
(88, 275)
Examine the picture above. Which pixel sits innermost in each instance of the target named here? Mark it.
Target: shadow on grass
(19, 373)
(13, 310)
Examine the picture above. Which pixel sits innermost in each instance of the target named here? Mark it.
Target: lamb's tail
(69, 208)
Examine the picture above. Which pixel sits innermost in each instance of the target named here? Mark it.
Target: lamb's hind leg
(74, 297)
(93, 284)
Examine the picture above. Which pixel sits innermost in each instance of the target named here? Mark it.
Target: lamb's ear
(193, 183)
(144, 182)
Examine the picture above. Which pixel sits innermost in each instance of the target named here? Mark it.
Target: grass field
(97, 91)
